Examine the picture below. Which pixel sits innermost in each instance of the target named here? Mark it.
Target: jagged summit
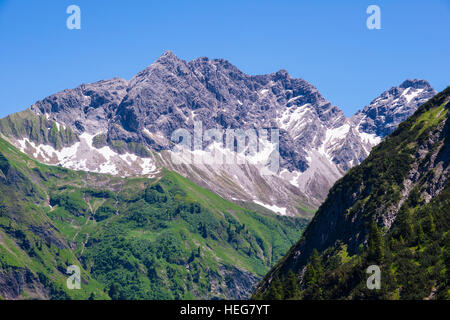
(415, 83)
(393, 106)
(167, 56)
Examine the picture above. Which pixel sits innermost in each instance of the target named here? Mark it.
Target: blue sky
(324, 42)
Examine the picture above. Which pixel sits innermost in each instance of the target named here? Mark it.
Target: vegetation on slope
(134, 238)
(39, 129)
(391, 211)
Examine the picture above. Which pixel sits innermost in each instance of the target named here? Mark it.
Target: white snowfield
(332, 139)
(369, 138)
(411, 93)
(293, 119)
(84, 156)
(322, 169)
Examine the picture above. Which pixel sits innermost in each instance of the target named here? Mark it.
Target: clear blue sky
(324, 42)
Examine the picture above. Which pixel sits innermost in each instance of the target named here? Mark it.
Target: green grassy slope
(134, 238)
(391, 211)
(27, 124)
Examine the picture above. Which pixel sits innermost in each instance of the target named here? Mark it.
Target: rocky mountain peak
(415, 83)
(167, 57)
(393, 106)
(281, 75)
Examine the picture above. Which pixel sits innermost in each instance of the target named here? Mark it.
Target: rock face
(383, 114)
(383, 213)
(127, 127)
(88, 107)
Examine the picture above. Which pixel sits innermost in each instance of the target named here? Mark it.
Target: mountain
(391, 211)
(382, 116)
(133, 238)
(125, 128)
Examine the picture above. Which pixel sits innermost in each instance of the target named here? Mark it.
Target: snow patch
(369, 138)
(332, 138)
(84, 156)
(274, 208)
(410, 93)
(292, 119)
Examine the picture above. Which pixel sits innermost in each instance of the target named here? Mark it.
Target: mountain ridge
(128, 124)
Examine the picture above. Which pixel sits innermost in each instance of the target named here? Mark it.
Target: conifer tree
(291, 286)
(376, 244)
(276, 290)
